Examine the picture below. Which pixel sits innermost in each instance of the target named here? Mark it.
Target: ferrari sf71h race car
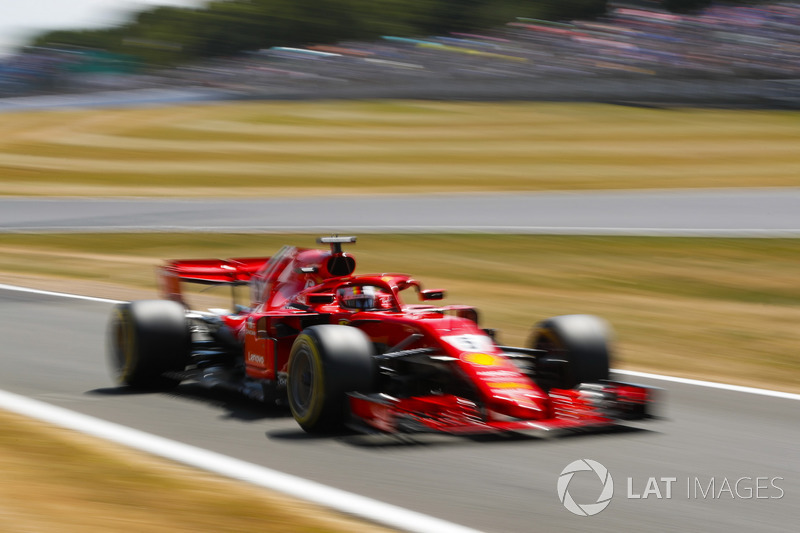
(347, 349)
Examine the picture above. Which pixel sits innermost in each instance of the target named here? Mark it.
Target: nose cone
(508, 392)
(525, 405)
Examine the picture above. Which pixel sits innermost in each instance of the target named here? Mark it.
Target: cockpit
(365, 298)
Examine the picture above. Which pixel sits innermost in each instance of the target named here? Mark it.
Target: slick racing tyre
(577, 349)
(326, 362)
(147, 338)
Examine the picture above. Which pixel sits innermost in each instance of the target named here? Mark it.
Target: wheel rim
(548, 343)
(301, 382)
(553, 377)
(121, 344)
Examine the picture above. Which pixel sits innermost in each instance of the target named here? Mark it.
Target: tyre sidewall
(148, 338)
(122, 344)
(582, 340)
(306, 346)
(341, 361)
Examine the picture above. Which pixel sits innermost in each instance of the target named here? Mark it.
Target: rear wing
(236, 271)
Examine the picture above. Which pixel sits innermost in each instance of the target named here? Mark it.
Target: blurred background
(651, 51)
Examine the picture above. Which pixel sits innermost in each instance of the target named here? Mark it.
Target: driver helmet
(362, 297)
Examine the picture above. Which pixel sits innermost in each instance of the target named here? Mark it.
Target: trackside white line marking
(710, 384)
(359, 506)
(673, 379)
(522, 230)
(59, 294)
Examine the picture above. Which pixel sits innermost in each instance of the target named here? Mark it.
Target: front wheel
(326, 362)
(146, 339)
(577, 350)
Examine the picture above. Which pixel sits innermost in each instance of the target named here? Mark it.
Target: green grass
(720, 309)
(291, 148)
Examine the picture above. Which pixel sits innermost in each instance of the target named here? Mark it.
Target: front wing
(588, 406)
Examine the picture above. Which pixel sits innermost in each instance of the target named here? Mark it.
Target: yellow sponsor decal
(509, 385)
(482, 359)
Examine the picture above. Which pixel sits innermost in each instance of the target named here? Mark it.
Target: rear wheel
(578, 350)
(147, 338)
(326, 362)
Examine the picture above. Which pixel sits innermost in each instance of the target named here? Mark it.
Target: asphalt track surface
(53, 351)
(118, 98)
(713, 212)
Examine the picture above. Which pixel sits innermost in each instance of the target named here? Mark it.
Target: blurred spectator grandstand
(749, 49)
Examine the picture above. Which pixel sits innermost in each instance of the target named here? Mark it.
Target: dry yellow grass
(292, 148)
(58, 480)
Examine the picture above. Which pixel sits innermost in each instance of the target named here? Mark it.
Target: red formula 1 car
(348, 349)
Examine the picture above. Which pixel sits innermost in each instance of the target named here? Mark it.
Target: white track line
(710, 384)
(345, 502)
(522, 230)
(58, 294)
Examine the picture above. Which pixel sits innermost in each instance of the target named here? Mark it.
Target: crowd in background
(722, 41)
